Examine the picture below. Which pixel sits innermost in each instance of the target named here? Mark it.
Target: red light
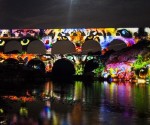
(79, 49)
(47, 42)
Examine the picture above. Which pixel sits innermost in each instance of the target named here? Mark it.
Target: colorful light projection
(140, 63)
(20, 57)
(119, 71)
(141, 67)
(127, 70)
(104, 36)
(78, 36)
(137, 70)
(48, 41)
(19, 33)
(79, 62)
(21, 98)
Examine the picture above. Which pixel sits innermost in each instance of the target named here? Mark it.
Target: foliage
(79, 69)
(98, 70)
(139, 63)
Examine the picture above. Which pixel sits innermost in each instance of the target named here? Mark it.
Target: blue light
(46, 109)
(123, 32)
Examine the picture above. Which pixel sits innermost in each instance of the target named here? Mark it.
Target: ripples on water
(77, 104)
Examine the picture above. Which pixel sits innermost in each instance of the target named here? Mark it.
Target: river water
(77, 103)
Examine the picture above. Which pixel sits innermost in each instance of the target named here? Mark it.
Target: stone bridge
(44, 47)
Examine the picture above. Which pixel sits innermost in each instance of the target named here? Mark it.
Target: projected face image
(5, 33)
(25, 32)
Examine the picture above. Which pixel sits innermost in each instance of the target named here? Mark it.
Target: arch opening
(90, 66)
(117, 45)
(11, 61)
(91, 46)
(63, 68)
(36, 64)
(36, 47)
(13, 47)
(63, 47)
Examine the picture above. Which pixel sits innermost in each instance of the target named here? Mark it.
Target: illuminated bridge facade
(50, 45)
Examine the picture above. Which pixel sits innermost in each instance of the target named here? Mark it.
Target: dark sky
(74, 13)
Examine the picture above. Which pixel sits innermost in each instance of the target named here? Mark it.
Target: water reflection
(78, 104)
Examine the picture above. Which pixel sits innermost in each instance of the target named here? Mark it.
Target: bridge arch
(63, 47)
(36, 47)
(117, 44)
(91, 65)
(11, 61)
(36, 64)
(90, 46)
(13, 47)
(63, 68)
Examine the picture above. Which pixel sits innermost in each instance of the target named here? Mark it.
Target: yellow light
(1, 111)
(2, 42)
(25, 43)
(23, 111)
(141, 81)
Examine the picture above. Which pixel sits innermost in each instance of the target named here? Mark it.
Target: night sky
(74, 13)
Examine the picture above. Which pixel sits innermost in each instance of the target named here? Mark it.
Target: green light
(23, 111)
(78, 92)
(89, 57)
(79, 69)
(1, 111)
(139, 63)
(70, 58)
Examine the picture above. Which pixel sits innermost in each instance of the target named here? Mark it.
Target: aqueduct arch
(90, 46)
(12, 46)
(36, 64)
(36, 47)
(63, 47)
(90, 65)
(63, 67)
(11, 61)
(117, 44)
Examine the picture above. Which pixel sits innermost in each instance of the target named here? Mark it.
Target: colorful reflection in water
(79, 104)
